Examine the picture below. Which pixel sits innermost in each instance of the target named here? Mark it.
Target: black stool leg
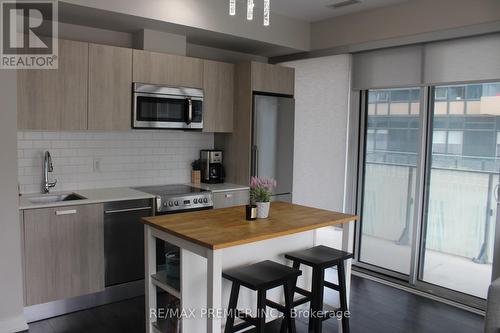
(233, 302)
(315, 317)
(289, 310)
(261, 311)
(343, 296)
(296, 265)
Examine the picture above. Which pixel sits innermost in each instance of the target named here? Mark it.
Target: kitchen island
(213, 240)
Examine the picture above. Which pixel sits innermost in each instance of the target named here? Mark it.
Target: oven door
(167, 111)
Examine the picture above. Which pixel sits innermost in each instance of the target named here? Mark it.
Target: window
(474, 91)
(370, 140)
(455, 142)
(439, 142)
(381, 139)
(491, 89)
(441, 94)
(498, 144)
(400, 95)
(456, 93)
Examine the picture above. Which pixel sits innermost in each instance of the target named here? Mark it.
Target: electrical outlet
(97, 164)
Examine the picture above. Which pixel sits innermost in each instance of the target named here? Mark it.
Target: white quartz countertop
(91, 196)
(111, 194)
(222, 187)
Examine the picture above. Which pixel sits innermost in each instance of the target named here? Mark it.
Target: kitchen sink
(48, 198)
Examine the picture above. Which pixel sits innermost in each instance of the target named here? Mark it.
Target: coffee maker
(212, 170)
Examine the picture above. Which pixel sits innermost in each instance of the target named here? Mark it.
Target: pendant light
(267, 9)
(250, 7)
(232, 7)
(250, 10)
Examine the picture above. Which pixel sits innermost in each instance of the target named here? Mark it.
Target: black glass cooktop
(170, 190)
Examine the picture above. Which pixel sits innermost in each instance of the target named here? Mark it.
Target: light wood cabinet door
(167, 69)
(231, 198)
(64, 252)
(56, 99)
(110, 88)
(218, 101)
(273, 79)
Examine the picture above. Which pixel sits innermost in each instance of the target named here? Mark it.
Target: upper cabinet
(172, 70)
(218, 102)
(56, 99)
(273, 79)
(110, 87)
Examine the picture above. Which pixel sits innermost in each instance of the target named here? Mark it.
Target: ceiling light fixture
(232, 7)
(250, 10)
(267, 9)
(250, 7)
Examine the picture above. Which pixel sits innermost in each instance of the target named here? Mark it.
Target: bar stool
(260, 277)
(320, 258)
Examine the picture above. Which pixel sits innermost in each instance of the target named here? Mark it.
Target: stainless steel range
(178, 198)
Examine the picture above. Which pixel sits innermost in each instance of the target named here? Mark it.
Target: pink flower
(264, 182)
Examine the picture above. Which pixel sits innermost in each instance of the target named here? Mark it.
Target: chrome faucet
(47, 167)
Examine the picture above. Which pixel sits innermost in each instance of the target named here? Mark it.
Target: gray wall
(407, 19)
(11, 301)
(153, 41)
(212, 16)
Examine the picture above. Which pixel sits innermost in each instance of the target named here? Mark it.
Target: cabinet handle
(65, 212)
(229, 196)
(127, 210)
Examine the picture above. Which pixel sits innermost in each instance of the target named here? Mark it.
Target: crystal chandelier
(250, 7)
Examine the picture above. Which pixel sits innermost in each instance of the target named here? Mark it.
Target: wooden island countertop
(226, 227)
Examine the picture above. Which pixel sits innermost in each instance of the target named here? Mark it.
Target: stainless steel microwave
(156, 106)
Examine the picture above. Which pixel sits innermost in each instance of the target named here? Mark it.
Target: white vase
(263, 209)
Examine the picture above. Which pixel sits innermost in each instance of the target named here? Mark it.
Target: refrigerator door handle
(254, 160)
(495, 192)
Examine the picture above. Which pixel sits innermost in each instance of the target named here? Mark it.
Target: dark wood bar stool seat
(261, 277)
(320, 258)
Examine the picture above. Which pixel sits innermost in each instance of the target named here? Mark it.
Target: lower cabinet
(63, 252)
(231, 198)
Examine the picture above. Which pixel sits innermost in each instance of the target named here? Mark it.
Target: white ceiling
(315, 10)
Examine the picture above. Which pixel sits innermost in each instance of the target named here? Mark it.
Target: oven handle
(127, 210)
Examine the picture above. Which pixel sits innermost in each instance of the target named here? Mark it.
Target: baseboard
(109, 295)
(13, 324)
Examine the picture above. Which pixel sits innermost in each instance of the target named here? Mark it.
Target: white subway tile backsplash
(134, 158)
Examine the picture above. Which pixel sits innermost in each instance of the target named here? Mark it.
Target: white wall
(322, 88)
(11, 300)
(131, 158)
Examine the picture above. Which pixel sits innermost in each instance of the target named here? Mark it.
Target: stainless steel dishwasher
(124, 240)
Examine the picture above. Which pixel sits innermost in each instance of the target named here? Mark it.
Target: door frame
(424, 153)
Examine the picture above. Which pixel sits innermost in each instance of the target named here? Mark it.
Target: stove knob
(170, 203)
(177, 203)
(195, 201)
(205, 200)
(165, 204)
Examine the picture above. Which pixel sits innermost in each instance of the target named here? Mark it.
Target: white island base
(202, 286)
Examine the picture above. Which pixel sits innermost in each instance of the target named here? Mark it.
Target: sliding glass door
(390, 160)
(429, 162)
(463, 170)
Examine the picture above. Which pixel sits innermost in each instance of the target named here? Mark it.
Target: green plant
(261, 189)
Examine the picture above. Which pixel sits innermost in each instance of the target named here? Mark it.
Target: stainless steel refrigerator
(272, 142)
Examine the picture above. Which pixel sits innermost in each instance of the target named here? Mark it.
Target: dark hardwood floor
(375, 308)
